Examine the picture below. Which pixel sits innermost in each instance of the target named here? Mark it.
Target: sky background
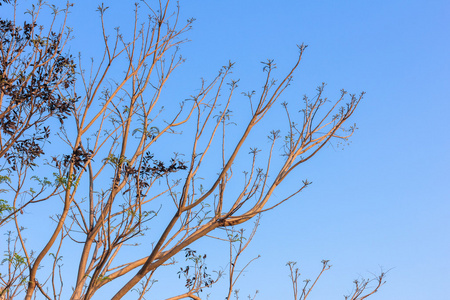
(382, 202)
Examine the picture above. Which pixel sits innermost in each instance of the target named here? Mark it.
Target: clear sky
(382, 201)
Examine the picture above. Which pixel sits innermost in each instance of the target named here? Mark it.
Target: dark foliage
(78, 158)
(34, 74)
(150, 169)
(200, 276)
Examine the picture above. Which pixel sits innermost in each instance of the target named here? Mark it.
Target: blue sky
(382, 201)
